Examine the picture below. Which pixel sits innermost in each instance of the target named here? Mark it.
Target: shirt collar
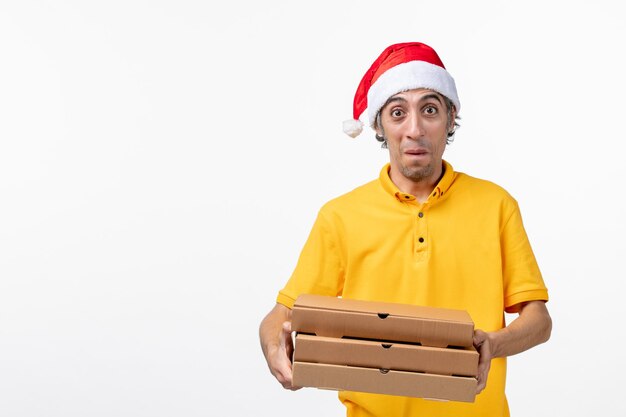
(440, 189)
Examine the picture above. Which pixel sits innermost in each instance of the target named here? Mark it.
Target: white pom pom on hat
(352, 128)
(400, 67)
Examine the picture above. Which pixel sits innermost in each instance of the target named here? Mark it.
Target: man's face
(416, 124)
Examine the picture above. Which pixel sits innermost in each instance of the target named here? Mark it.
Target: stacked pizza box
(384, 348)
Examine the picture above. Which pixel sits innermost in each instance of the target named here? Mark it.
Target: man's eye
(397, 113)
(430, 110)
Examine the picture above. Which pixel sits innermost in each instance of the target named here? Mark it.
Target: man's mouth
(416, 151)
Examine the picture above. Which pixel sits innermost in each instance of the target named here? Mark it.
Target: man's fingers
(284, 375)
(286, 339)
(479, 338)
(280, 367)
(284, 378)
(481, 343)
(480, 387)
(483, 372)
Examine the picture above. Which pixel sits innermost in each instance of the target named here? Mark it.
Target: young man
(420, 234)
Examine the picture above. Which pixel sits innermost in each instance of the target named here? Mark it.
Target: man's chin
(417, 173)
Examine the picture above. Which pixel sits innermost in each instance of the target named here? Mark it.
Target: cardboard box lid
(408, 384)
(340, 317)
(314, 301)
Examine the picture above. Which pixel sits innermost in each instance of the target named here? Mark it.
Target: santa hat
(401, 67)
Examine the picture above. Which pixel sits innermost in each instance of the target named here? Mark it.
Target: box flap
(314, 301)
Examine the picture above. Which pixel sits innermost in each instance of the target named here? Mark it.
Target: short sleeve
(521, 275)
(319, 269)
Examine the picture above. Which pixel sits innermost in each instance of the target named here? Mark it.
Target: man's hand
(279, 358)
(277, 344)
(483, 346)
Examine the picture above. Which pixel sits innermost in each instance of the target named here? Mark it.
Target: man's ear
(452, 119)
(378, 128)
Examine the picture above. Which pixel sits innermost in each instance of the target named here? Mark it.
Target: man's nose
(415, 128)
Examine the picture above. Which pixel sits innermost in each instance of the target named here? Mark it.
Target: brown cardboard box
(394, 356)
(339, 317)
(410, 384)
(389, 361)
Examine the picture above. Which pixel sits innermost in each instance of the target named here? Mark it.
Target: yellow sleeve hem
(512, 302)
(285, 300)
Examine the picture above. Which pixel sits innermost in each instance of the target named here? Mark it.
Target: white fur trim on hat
(409, 76)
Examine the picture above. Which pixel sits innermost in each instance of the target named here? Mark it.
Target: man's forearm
(277, 345)
(272, 326)
(532, 327)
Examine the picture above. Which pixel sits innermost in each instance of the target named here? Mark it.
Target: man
(420, 234)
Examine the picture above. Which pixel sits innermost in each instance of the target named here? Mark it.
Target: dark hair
(449, 106)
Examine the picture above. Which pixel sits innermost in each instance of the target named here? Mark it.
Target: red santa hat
(400, 67)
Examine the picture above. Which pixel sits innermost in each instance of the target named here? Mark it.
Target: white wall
(161, 164)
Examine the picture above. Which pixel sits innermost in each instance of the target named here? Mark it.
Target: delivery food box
(384, 348)
(410, 384)
(386, 355)
(338, 317)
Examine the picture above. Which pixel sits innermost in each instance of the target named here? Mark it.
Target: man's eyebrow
(393, 99)
(433, 95)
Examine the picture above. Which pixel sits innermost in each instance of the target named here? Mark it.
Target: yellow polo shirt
(464, 248)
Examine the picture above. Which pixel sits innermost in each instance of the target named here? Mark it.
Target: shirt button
(420, 215)
(421, 239)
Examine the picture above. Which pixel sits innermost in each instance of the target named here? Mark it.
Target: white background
(161, 164)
